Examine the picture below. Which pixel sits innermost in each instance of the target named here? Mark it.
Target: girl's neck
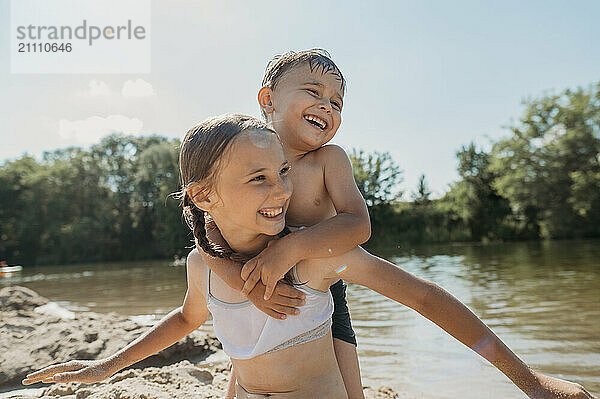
(246, 244)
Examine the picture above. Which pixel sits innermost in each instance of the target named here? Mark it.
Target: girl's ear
(200, 197)
(265, 99)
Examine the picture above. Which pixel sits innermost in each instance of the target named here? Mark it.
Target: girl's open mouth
(272, 213)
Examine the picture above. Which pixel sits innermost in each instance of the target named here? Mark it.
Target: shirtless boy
(302, 98)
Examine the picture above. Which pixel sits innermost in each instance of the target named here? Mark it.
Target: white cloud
(137, 88)
(92, 129)
(98, 88)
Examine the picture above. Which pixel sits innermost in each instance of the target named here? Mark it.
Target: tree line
(111, 202)
(542, 181)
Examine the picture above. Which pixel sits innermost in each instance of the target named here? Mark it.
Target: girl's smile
(253, 188)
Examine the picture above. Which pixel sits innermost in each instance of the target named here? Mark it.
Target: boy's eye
(312, 91)
(258, 178)
(284, 170)
(337, 105)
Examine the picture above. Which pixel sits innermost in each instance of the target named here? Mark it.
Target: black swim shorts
(341, 327)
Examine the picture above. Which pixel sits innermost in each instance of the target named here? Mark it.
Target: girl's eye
(337, 105)
(284, 170)
(258, 178)
(311, 91)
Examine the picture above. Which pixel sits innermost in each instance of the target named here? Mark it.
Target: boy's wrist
(291, 248)
(517, 371)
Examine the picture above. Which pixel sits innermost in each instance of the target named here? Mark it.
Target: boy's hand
(87, 371)
(554, 388)
(269, 266)
(284, 300)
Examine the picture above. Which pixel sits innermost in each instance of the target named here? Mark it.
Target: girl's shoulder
(194, 309)
(196, 270)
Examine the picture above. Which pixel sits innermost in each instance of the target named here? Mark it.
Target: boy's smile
(306, 108)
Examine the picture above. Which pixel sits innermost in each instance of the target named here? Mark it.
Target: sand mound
(35, 333)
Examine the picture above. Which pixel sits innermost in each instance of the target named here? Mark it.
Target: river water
(541, 298)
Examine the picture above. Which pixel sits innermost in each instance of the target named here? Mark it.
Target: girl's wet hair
(200, 159)
(317, 59)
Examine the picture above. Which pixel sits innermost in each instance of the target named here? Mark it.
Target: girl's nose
(282, 190)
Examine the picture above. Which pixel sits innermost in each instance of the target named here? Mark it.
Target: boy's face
(306, 107)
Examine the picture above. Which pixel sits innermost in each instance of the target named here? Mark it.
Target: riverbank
(35, 332)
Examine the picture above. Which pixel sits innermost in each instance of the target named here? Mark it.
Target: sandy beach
(35, 333)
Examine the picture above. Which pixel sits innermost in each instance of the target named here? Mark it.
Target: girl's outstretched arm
(439, 306)
(169, 330)
(177, 324)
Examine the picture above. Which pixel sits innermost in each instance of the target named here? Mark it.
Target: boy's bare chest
(310, 202)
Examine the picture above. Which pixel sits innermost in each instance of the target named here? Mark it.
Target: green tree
(548, 168)
(19, 212)
(474, 198)
(377, 177)
(421, 196)
(158, 217)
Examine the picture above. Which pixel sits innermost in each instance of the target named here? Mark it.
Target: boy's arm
(282, 303)
(335, 236)
(350, 227)
(446, 311)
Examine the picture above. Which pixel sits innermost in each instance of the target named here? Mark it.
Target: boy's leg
(344, 342)
(347, 359)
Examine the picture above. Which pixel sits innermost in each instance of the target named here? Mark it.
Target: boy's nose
(326, 108)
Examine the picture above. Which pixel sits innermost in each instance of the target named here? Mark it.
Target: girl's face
(252, 187)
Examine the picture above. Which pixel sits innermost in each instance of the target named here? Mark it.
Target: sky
(423, 78)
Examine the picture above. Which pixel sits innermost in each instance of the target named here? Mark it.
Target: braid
(200, 236)
(197, 223)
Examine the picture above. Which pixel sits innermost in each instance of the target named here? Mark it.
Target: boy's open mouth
(316, 121)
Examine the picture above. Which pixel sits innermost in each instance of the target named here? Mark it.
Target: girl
(233, 169)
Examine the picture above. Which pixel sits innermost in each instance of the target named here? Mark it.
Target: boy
(302, 97)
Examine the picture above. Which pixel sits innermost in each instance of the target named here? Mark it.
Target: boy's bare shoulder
(331, 155)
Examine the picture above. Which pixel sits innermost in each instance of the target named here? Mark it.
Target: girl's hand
(87, 371)
(555, 388)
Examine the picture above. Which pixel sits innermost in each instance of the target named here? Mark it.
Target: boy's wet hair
(316, 58)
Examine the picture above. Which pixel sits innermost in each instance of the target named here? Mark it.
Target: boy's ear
(200, 197)
(265, 99)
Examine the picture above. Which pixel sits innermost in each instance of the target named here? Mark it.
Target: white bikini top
(246, 332)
